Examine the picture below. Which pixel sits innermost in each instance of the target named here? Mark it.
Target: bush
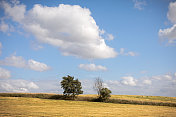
(104, 94)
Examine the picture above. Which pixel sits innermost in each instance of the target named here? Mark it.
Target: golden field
(36, 107)
(140, 98)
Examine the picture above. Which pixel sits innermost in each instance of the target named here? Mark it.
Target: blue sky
(130, 44)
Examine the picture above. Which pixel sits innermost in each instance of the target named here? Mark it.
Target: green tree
(71, 87)
(104, 94)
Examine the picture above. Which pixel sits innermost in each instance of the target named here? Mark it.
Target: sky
(129, 44)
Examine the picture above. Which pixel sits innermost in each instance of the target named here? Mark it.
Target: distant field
(121, 99)
(22, 106)
(140, 98)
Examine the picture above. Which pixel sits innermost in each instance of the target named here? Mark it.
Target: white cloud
(0, 48)
(15, 61)
(130, 53)
(4, 73)
(170, 33)
(17, 86)
(113, 82)
(92, 67)
(129, 80)
(168, 76)
(139, 4)
(20, 62)
(171, 13)
(69, 27)
(37, 66)
(32, 85)
(15, 11)
(156, 77)
(49, 86)
(147, 82)
(105, 85)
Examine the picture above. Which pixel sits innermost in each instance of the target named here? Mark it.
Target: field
(140, 98)
(27, 106)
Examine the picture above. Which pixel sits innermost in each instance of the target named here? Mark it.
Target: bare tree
(98, 85)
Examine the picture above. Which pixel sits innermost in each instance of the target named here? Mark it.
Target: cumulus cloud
(71, 28)
(170, 33)
(139, 4)
(171, 13)
(37, 66)
(92, 67)
(20, 62)
(20, 86)
(130, 53)
(4, 73)
(129, 80)
(15, 11)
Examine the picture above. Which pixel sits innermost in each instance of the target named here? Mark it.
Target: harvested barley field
(140, 98)
(25, 106)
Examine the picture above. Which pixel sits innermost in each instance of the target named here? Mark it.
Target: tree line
(72, 88)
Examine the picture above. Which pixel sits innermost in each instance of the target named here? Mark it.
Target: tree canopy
(71, 87)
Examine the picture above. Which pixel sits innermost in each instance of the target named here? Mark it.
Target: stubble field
(26, 106)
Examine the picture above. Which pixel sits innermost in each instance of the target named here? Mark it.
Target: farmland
(27, 106)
